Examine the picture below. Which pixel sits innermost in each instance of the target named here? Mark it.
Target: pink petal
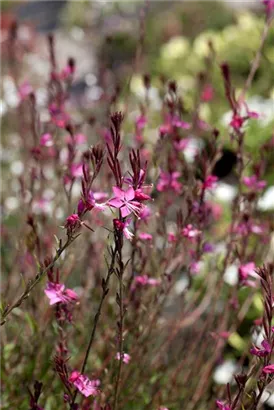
(129, 194)
(119, 193)
(125, 211)
(269, 369)
(115, 202)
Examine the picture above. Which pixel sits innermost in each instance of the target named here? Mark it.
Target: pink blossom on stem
(210, 182)
(25, 90)
(73, 221)
(46, 140)
(58, 115)
(87, 204)
(144, 236)
(195, 267)
(123, 227)
(264, 351)
(246, 270)
(124, 200)
(247, 275)
(253, 183)
(86, 386)
(56, 292)
(144, 280)
(236, 122)
(145, 214)
(269, 369)
(190, 232)
(126, 357)
(172, 122)
(182, 144)
(140, 122)
(171, 237)
(207, 93)
(77, 139)
(269, 6)
(169, 181)
(176, 122)
(222, 406)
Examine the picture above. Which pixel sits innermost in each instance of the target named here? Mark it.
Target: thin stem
(256, 62)
(96, 318)
(37, 279)
(120, 301)
(121, 329)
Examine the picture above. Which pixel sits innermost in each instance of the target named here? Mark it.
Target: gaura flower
(210, 182)
(264, 351)
(253, 183)
(190, 232)
(144, 280)
(124, 200)
(269, 369)
(73, 221)
(144, 236)
(236, 122)
(46, 140)
(87, 204)
(123, 227)
(86, 386)
(57, 293)
(168, 181)
(222, 406)
(126, 357)
(25, 90)
(207, 93)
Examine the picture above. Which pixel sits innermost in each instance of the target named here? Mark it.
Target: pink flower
(208, 93)
(145, 214)
(140, 123)
(87, 204)
(195, 267)
(171, 123)
(236, 122)
(210, 182)
(145, 280)
(176, 122)
(76, 170)
(253, 183)
(46, 140)
(246, 273)
(182, 144)
(222, 406)
(56, 292)
(25, 90)
(86, 386)
(190, 232)
(168, 181)
(73, 221)
(124, 200)
(269, 5)
(253, 114)
(163, 408)
(122, 226)
(126, 357)
(145, 236)
(58, 115)
(264, 351)
(171, 237)
(246, 270)
(78, 139)
(269, 369)
(67, 72)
